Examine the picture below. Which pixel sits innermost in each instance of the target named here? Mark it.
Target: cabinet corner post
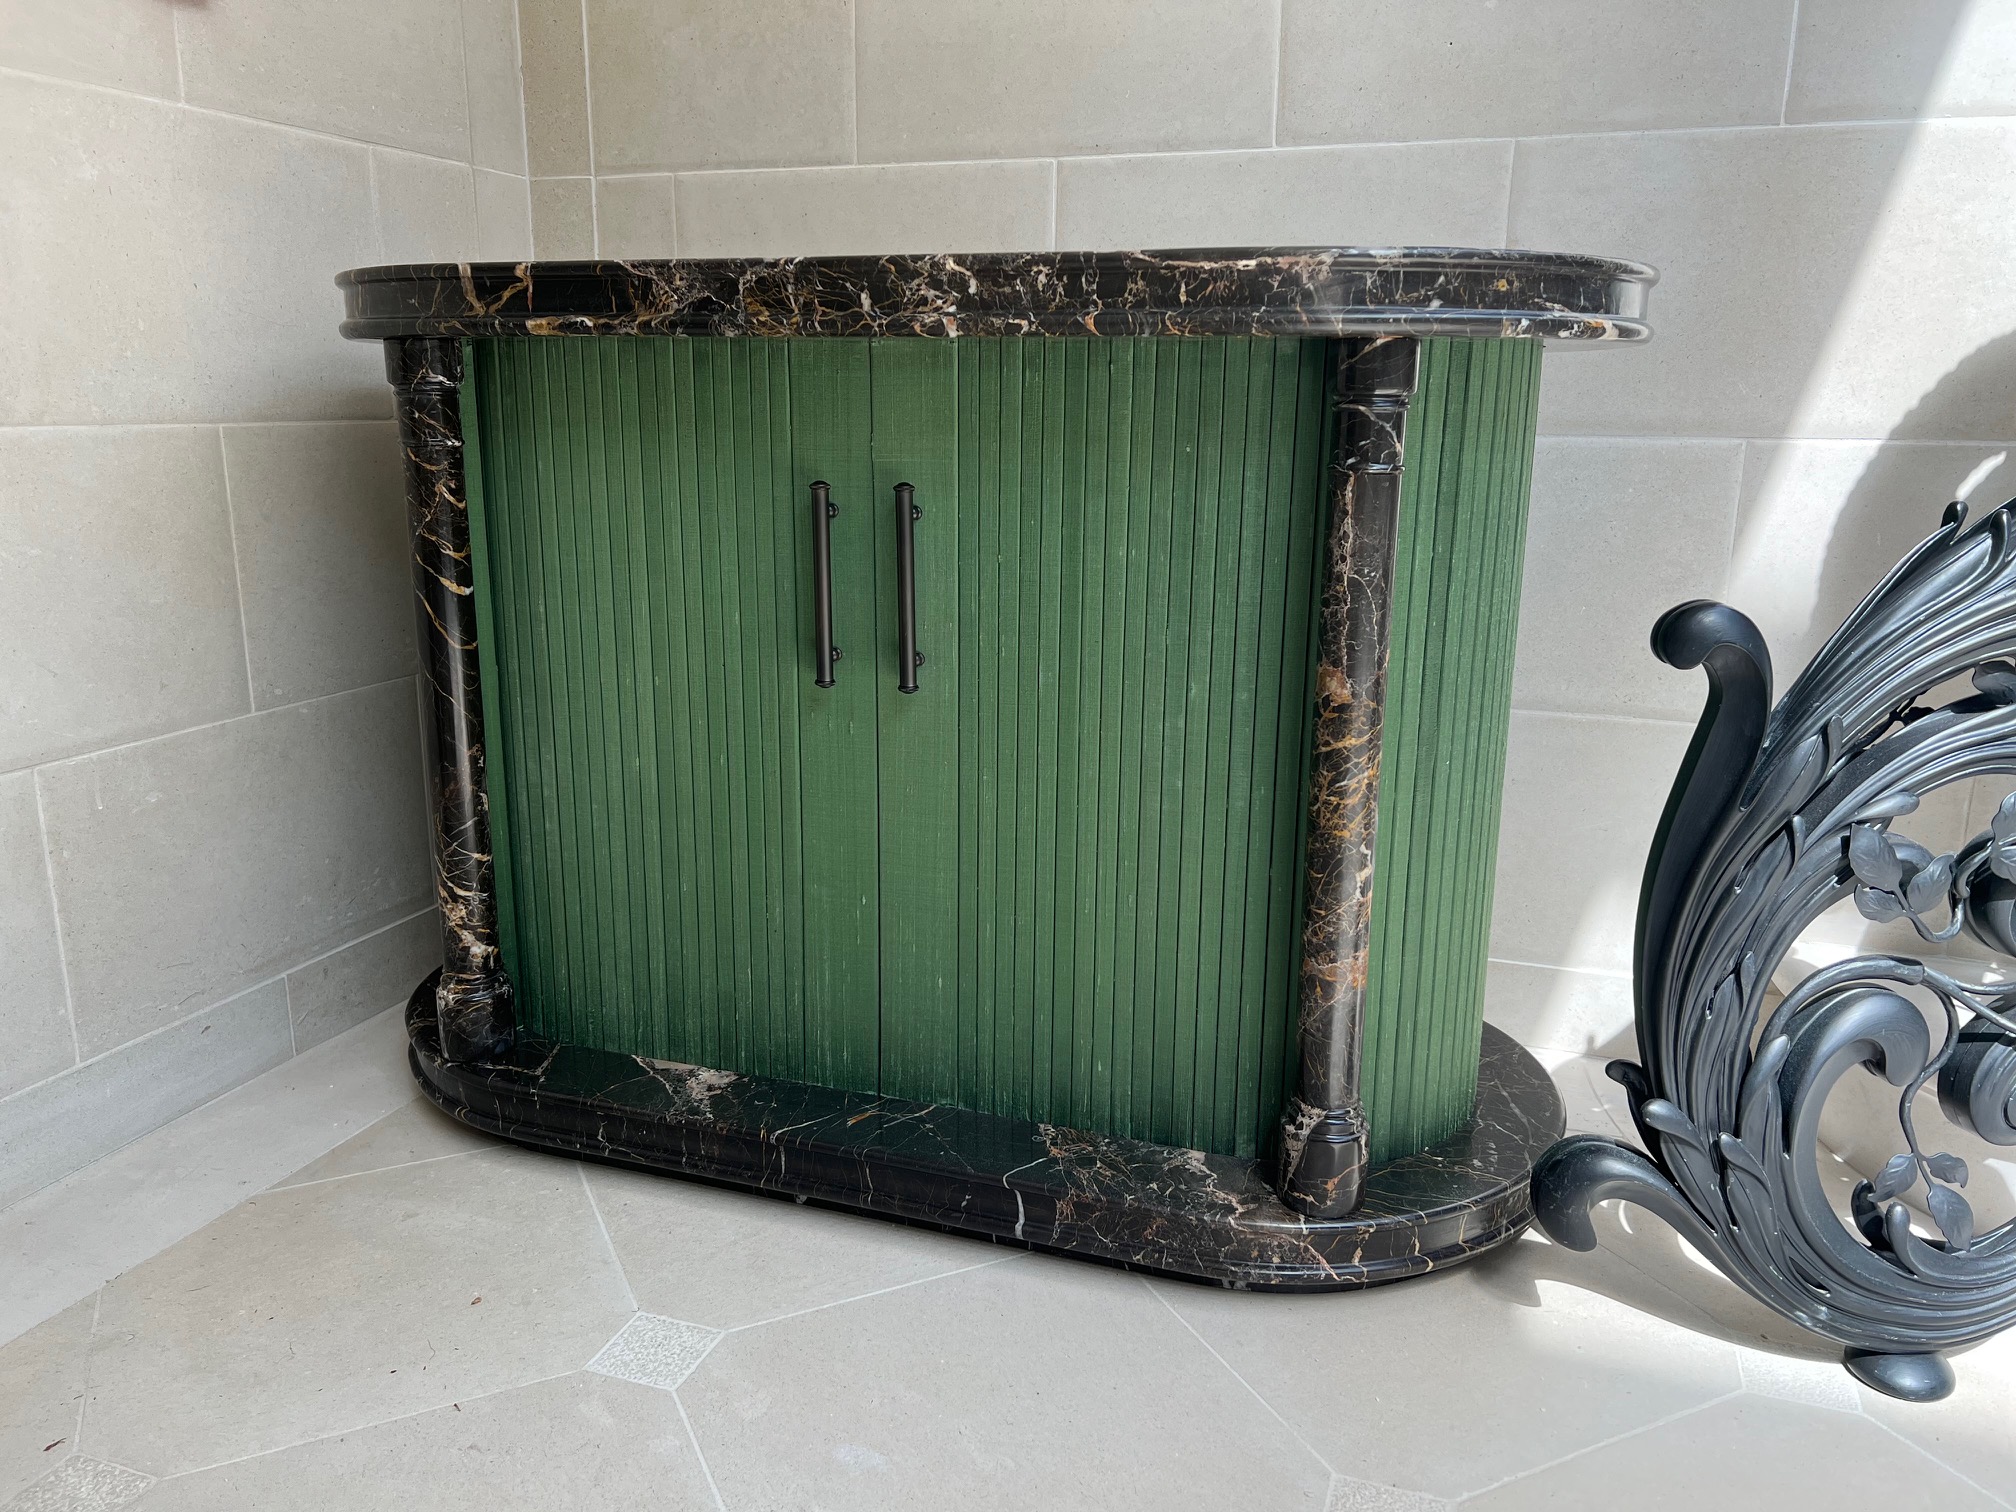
(1325, 1139)
(473, 998)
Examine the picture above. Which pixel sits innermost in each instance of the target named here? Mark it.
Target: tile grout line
(588, 119)
(864, 1296)
(468, 105)
(615, 1259)
(9, 70)
(365, 1427)
(84, 1386)
(1293, 1431)
(1274, 104)
(1791, 53)
(214, 724)
(231, 516)
(1615, 1438)
(1908, 123)
(401, 1165)
(62, 951)
(853, 82)
(524, 120)
(1588, 971)
(693, 1438)
(1994, 1496)
(1511, 179)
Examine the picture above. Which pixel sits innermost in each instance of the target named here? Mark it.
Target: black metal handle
(825, 652)
(908, 659)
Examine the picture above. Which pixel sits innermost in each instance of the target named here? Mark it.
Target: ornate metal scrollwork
(1778, 813)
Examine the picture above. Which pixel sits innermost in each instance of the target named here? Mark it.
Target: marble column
(1324, 1138)
(473, 998)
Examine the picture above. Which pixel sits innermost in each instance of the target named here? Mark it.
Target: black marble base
(1181, 1212)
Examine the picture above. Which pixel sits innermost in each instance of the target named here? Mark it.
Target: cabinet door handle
(825, 652)
(908, 659)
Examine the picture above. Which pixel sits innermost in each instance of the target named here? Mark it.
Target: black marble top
(1276, 291)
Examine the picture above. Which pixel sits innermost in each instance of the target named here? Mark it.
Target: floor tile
(1536, 1351)
(1710, 1301)
(1790, 1378)
(82, 1484)
(654, 1351)
(320, 1309)
(726, 1258)
(1589, 1106)
(580, 1441)
(419, 1131)
(1973, 1430)
(67, 1240)
(41, 1388)
(1743, 1454)
(1032, 1383)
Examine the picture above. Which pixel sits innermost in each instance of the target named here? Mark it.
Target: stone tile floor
(420, 1318)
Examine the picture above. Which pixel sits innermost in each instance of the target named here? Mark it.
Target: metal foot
(1908, 1377)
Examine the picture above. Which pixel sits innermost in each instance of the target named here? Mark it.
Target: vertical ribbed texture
(1448, 708)
(642, 645)
(1136, 523)
(1062, 880)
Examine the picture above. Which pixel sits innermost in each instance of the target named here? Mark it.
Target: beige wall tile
(1824, 281)
(120, 614)
(503, 217)
(556, 87)
(220, 238)
(59, 1125)
(34, 1012)
(939, 81)
(385, 71)
(1862, 60)
(1443, 194)
(362, 979)
(127, 44)
(939, 207)
(426, 208)
(563, 218)
(696, 84)
(1621, 530)
(1405, 70)
(633, 216)
(190, 867)
(496, 93)
(1822, 522)
(319, 513)
(1582, 797)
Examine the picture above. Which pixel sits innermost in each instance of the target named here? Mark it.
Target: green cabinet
(1062, 879)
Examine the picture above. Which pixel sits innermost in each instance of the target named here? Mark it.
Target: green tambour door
(1059, 880)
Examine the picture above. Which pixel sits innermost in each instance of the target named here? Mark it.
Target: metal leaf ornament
(1778, 813)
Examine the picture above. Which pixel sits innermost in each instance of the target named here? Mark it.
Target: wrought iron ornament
(1776, 815)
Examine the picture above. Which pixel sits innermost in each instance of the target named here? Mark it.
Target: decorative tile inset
(82, 1484)
(654, 1351)
(1347, 1495)
(1788, 1378)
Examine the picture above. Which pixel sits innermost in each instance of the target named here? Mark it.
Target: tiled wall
(1827, 186)
(212, 843)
